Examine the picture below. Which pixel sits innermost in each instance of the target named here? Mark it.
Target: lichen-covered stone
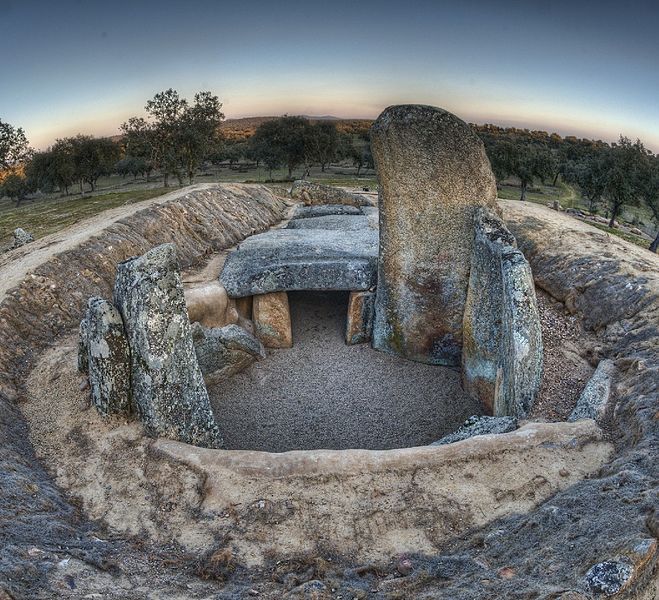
(502, 342)
(359, 322)
(331, 222)
(433, 174)
(21, 237)
(594, 399)
(108, 358)
(83, 358)
(324, 210)
(608, 577)
(317, 193)
(479, 425)
(224, 351)
(272, 320)
(522, 354)
(168, 387)
(302, 259)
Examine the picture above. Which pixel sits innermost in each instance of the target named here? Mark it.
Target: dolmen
(434, 275)
(333, 247)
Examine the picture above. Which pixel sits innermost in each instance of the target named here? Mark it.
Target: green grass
(543, 194)
(629, 237)
(48, 215)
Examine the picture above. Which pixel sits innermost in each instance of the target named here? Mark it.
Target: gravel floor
(324, 394)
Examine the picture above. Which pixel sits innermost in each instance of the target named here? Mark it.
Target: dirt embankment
(46, 284)
(43, 289)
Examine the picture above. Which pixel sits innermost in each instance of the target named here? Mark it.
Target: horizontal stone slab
(331, 222)
(323, 210)
(302, 259)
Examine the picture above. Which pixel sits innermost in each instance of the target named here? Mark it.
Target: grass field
(44, 216)
(49, 214)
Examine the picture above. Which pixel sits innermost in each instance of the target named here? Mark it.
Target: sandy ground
(567, 356)
(324, 394)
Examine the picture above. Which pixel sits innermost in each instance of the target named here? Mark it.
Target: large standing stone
(522, 356)
(224, 351)
(483, 316)
(83, 352)
(168, 387)
(359, 323)
(502, 353)
(272, 320)
(108, 358)
(433, 174)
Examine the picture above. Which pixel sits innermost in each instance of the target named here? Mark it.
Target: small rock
(506, 573)
(479, 425)
(210, 305)
(404, 566)
(310, 590)
(316, 193)
(608, 577)
(594, 399)
(21, 237)
(224, 351)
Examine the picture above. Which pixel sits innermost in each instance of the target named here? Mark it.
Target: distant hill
(242, 129)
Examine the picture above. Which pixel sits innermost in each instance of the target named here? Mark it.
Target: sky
(585, 68)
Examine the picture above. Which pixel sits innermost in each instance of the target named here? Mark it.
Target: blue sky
(583, 68)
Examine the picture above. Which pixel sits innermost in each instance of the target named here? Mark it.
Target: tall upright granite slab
(522, 356)
(359, 322)
(108, 358)
(502, 352)
(168, 387)
(433, 174)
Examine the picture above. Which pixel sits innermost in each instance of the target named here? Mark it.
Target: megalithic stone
(167, 384)
(522, 360)
(108, 358)
(502, 353)
(433, 174)
(83, 352)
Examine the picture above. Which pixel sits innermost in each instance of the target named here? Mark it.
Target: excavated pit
(322, 393)
(487, 517)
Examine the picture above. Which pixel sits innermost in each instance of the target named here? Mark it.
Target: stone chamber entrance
(322, 393)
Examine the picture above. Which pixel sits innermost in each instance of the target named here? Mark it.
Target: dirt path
(16, 264)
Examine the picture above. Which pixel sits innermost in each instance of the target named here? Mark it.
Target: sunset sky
(577, 67)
